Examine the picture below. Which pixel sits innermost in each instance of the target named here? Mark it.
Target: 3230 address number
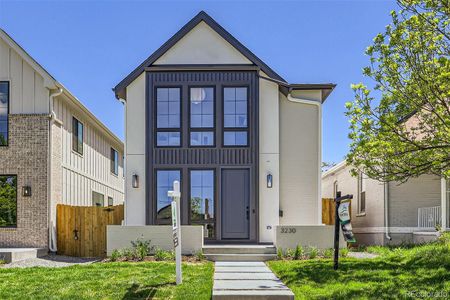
(288, 230)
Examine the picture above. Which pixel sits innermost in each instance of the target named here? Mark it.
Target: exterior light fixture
(269, 181)
(135, 181)
(26, 191)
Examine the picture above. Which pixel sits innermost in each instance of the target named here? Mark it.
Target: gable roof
(119, 89)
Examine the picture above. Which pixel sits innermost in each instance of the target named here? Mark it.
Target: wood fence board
(90, 223)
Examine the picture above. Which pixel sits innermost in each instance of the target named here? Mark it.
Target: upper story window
(168, 117)
(201, 116)
(4, 110)
(77, 136)
(235, 116)
(114, 162)
(362, 193)
(8, 200)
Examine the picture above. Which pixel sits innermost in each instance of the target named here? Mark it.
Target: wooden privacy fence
(81, 230)
(328, 211)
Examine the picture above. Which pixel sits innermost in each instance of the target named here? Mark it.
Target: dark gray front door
(235, 203)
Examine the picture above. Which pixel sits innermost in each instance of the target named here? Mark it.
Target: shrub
(199, 255)
(163, 255)
(115, 255)
(313, 252)
(299, 252)
(141, 248)
(280, 253)
(128, 253)
(328, 253)
(290, 253)
(343, 252)
(444, 238)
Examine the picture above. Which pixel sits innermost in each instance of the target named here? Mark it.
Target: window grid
(235, 116)
(164, 183)
(202, 116)
(202, 200)
(168, 117)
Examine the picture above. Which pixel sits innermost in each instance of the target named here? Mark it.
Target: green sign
(344, 220)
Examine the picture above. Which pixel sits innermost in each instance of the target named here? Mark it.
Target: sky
(90, 46)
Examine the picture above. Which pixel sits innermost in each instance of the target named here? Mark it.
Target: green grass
(121, 280)
(396, 273)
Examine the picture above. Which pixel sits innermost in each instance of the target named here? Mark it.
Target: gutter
(319, 147)
(52, 232)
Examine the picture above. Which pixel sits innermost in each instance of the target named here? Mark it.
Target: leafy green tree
(401, 129)
(8, 203)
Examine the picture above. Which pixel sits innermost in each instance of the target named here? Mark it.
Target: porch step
(240, 257)
(239, 249)
(10, 255)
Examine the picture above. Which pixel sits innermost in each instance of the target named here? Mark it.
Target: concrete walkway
(247, 280)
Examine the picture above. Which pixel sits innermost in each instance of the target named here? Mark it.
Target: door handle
(248, 213)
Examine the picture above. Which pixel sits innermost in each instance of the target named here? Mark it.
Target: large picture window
(168, 117)
(4, 110)
(235, 116)
(77, 136)
(202, 200)
(201, 116)
(164, 183)
(8, 200)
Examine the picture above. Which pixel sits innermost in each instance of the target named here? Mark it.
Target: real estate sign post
(176, 227)
(342, 218)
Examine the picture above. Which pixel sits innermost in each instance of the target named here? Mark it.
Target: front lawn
(418, 272)
(121, 280)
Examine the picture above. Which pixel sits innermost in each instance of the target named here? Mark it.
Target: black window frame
(75, 136)
(236, 129)
(157, 221)
(7, 112)
(155, 117)
(17, 195)
(114, 161)
(216, 200)
(202, 129)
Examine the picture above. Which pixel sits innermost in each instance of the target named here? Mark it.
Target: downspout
(386, 210)
(319, 148)
(124, 161)
(52, 232)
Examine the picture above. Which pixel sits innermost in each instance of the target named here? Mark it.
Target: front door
(235, 202)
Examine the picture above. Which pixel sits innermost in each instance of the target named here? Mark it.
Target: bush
(343, 252)
(115, 255)
(163, 255)
(313, 252)
(141, 248)
(199, 255)
(290, 253)
(444, 238)
(299, 252)
(280, 253)
(328, 253)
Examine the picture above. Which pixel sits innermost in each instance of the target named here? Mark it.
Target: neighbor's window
(164, 183)
(168, 117)
(335, 189)
(362, 193)
(202, 200)
(8, 200)
(77, 136)
(201, 116)
(114, 162)
(235, 116)
(110, 201)
(98, 199)
(4, 109)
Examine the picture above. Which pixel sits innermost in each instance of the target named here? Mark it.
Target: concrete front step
(10, 255)
(240, 257)
(249, 281)
(239, 249)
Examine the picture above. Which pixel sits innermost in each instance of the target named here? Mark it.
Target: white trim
(334, 169)
(391, 229)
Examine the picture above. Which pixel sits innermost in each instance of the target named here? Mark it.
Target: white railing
(429, 217)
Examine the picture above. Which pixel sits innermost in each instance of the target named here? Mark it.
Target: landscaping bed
(115, 280)
(402, 272)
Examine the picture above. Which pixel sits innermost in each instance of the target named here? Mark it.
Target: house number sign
(288, 230)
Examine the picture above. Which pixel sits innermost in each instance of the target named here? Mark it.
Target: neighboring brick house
(392, 212)
(52, 150)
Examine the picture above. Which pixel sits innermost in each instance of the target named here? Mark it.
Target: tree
(404, 131)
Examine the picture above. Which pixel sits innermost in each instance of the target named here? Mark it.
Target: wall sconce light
(269, 181)
(26, 191)
(135, 181)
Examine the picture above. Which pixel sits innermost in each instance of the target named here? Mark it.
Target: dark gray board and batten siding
(215, 157)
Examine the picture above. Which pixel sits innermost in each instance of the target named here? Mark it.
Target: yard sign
(176, 227)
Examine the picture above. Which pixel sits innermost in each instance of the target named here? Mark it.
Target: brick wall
(26, 156)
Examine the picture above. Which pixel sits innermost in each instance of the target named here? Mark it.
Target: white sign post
(176, 227)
